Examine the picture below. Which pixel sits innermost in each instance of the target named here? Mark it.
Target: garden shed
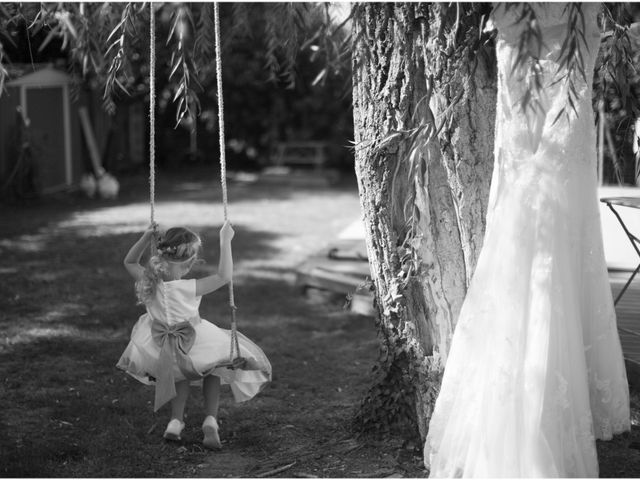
(43, 97)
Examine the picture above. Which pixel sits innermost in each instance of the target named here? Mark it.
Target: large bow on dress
(174, 341)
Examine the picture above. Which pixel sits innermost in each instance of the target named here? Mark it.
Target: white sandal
(211, 438)
(174, 429)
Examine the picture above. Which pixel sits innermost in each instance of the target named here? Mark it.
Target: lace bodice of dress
(175, 301)
(525, 129)
(548, 16)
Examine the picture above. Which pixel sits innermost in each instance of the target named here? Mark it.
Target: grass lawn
(67, 307)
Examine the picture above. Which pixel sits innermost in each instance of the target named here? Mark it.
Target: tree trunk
(424, 196)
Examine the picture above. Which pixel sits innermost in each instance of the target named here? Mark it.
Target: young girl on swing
(171, 346)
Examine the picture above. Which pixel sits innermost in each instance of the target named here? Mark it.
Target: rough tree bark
(423, 198)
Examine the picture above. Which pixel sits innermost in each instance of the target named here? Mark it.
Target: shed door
(44, 108)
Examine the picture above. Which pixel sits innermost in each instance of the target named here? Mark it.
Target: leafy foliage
(617, 84)
(330, 44)
(403, 374)
(280, 48)
(116, 52)
(101, 38)
(390, 405)
(571, 62)
(531, 46)
(182, 63)
(3, 71)
(618, 66)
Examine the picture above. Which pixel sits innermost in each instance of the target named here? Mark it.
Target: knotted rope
(235, 347)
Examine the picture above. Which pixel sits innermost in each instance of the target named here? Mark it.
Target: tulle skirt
(535, 372)
(210, 349)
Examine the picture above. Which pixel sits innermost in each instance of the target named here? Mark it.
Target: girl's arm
(131, 261)
(225, 266)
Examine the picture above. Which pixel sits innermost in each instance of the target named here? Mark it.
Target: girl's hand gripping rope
(226, 232)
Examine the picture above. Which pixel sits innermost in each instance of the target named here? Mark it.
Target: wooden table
(630, 202)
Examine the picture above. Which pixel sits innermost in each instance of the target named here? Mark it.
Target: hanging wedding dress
(535, 371)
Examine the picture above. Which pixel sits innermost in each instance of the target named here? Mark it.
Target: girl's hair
(178, 245)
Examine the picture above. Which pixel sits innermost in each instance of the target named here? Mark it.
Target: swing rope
(152, 111)
(235, 347)
(235, 360)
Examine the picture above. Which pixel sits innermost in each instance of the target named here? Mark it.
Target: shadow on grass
(81, 283)
(67, 308)
(71, 413)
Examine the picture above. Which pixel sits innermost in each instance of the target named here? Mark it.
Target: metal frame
(635, 241)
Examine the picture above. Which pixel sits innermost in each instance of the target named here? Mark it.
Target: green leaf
(181, 88)
(53, 33)
(175, 68)
(116, 29)
(122, 87)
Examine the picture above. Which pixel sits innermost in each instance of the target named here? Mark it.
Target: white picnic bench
(300, 153)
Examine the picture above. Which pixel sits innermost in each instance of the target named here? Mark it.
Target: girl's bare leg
(211, 391)
(176, 424)
(180, 401)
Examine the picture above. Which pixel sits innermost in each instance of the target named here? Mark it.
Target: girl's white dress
(174, 303)
(535, 372)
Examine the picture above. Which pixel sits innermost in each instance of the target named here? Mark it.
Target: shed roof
(46, 77)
